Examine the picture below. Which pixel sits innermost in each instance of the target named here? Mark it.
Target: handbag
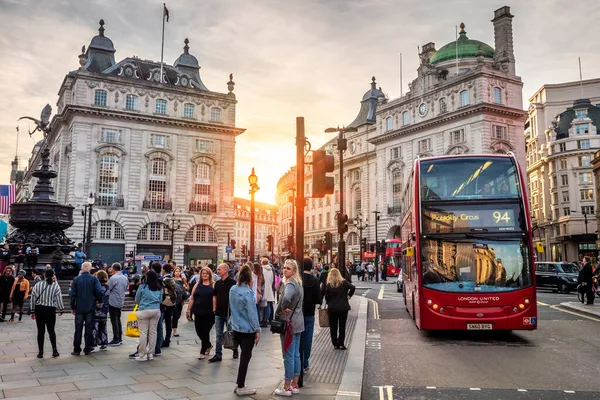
(281, 326)
(229, 341)
(324, 317)
(132, 329)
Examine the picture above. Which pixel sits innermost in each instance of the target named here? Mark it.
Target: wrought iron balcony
(109, 201)
(202, 207)
(394, 210)
(157, 205)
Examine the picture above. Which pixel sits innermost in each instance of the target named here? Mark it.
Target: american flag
(7, 197)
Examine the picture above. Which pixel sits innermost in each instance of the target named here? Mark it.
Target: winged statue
(42, 124)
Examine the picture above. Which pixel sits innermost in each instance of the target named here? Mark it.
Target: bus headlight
(526, 301)
(429, 302)
(522, 306)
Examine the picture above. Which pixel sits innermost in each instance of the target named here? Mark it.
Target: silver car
(399, 282)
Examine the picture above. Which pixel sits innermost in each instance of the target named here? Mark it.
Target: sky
(289, 58)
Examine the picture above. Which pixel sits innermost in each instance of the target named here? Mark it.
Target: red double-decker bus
(393, 257)
(467, 245)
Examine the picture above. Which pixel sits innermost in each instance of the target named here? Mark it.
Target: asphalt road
(560, 360)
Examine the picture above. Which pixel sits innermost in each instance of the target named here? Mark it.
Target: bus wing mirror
(409, 252)
(539, 247)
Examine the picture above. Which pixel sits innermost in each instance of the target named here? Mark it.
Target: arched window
(155, 231)
(189, 110)
(157, 184)
(464, 98)
(201, 233)
(107, 229)
(357, 201)
(443, 106)
(405, 118)
(397, 190)
(352, 239)
(100, 97)
(108, 179)
(215, 114)
(389, 124)
(131, 102)
(202, 188)
(497, 95)
(161, 106)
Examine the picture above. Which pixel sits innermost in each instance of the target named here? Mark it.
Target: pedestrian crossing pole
(299, 253)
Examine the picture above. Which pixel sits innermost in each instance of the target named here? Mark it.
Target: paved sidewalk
(592, 310)
(177, 374)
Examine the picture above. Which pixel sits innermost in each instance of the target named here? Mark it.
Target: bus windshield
(475, 265)
(468, 178)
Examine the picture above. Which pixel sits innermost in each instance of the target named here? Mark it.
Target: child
(100, 332)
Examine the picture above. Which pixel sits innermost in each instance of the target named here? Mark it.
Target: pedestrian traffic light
(329, 240)
(322, 164)
(342, 220)
(363, 244)
(232, 244)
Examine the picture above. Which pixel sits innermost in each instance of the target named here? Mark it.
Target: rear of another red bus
(393, 257)
(467, 245)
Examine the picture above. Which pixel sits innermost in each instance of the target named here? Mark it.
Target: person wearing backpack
(169, 304)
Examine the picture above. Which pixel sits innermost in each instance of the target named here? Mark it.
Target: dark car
(561, 276)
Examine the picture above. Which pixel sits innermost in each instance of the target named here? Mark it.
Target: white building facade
(152, 149)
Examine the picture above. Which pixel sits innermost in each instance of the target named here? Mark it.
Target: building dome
(101, 42)
(186, 59)
(467, 48)
(368, 106)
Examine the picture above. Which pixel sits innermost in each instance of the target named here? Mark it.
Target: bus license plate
(479, 327)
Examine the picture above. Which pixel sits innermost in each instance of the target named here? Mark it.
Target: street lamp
(341, 145)
(253, 181)
(361, 226)
(173, 226)
(376, 247)
(90, 206)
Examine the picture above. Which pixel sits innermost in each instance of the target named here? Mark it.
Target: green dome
(466, 48)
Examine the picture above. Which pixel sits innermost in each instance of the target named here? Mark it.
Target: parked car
(561, 276)
(399, 281)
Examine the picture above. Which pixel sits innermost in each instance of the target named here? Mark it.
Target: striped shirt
(46, 295)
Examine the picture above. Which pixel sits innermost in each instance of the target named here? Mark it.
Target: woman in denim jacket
(245, 326)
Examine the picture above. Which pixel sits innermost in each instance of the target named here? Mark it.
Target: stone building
(466, 98)
(561, 136)
(284, 198)
(265, 224)
(151, 149)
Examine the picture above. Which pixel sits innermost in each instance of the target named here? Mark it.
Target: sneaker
(283, 392)
(55, 354)
(245, 391)
(133, 356)
(138, 358)
(150, 358)
(157, 354)
(215, 359)
(76, 353)
(40, 355)
(87, 353)
(103, 347)
(295, 390)
(115, 342)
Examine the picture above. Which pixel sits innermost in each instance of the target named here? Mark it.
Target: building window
(189, 110)
(405, 119)
(108, 182)
(582, 129)
(564, 179)
(336, 196)
(585, 178)
(443, 106)
(328, 220)
(396, 153)
(585, 161)
(204, 146)
(389, 124)
(154, 231)
(215, 114)
(563, 163)
(357, 201)
(100, 97)
(499, 132)
(201, 233)
(562, 147)
(161, 106)
(587, 210)
(157, 184)
(565, 196)
(202, 183)
(457, 136)
(159, 141)
(464, 98)
(554, 182)
(586, 194)
(554, 198)
(583, 144)
(307, 225)
(581, 114)
(312, 218)
(110, 136)
(397, 190)
(424, 145)
(320, 226)
(497, 95)
(107, 229)
(131, 102)
(566, 211)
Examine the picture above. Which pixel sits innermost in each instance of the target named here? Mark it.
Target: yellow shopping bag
(132, 329)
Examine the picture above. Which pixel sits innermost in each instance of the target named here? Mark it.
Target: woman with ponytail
(46, 299)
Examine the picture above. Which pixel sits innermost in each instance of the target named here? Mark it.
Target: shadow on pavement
(480, 337)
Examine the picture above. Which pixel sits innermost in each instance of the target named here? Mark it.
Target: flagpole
(580, 78)
(456, 49)
(162, 45)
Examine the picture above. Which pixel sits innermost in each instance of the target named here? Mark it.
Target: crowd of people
(237, 300)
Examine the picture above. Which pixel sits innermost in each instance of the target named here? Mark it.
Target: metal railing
(109, 201)
(157, 205)
(202, 207)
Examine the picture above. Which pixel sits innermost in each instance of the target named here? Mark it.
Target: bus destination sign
(448, 219)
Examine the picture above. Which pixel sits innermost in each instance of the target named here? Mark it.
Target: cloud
(289, 58)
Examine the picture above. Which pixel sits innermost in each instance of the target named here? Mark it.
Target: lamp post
(341, 145)
(292, 200)
(252, 180)
(90, 200)
(376, 247)
(361, 226)
(173, 226)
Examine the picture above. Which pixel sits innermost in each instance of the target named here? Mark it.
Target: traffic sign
(153, 258)
(227, 249)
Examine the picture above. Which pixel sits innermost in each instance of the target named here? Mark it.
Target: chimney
(503, 39)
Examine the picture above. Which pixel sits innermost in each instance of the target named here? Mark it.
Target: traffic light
(342, 220)
(232, 244)
(328, 240)
(363, 244)
(371, 247)
(270, 243)
(130, 254)
(383, 246)
(244, 250)
(322, 164)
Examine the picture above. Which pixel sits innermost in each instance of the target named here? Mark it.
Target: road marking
(556, 307)
(474, 389)
(387, 391)
(522, 390)
(381, 292)
(542, 304)
(375, 308)
(570, 391)
(431, 387)
(350, 394)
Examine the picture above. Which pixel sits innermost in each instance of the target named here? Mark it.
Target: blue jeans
(291, 357)
(80, 320)
(307, 337)
(159, 334)
(219, 326)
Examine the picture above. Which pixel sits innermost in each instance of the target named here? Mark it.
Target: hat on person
(22, 272)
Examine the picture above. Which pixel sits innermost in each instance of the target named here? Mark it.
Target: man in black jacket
(312, 297)
(587, 279)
